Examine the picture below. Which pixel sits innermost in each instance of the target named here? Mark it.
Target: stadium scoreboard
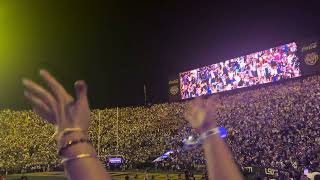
(287, 61)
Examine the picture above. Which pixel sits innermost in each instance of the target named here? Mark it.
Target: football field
(115, 175)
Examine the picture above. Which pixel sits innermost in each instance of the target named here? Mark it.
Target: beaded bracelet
(67, 131)
(71, 143)
(80, 156)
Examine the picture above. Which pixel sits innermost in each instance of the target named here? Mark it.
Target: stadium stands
(269, 126)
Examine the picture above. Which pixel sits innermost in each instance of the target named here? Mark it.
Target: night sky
(118, 46)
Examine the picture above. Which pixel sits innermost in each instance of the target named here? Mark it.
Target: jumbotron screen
(257, 68)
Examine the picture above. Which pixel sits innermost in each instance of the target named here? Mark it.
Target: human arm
(61, 109)
(202, 115)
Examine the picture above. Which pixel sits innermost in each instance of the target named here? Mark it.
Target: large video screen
(257, 68)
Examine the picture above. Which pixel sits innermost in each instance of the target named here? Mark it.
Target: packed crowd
(276, 126)
(257, 68)
(25, 142)
(270, 126)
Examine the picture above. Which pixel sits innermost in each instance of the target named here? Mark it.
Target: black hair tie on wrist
(71, 143)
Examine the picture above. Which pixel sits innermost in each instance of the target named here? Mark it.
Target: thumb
(81, 90)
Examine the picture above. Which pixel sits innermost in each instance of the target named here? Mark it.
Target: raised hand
(202, 114)
(56, 105)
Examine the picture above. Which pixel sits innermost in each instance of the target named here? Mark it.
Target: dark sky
(118, 46)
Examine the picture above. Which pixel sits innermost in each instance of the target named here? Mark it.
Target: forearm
(220, 164)
(85, 168)
(71, 117)
(82, 168)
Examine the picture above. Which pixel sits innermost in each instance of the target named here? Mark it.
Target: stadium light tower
(117, 131)
(99, 135)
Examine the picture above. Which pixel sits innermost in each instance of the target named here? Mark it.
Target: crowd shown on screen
(269, 126)
(257, 68)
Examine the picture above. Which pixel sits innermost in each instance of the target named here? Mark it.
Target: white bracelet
(209, 133)
(191, 144)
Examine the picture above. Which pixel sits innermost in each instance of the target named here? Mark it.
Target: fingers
(47, 115)
(195, 110)
(198, 103)
(213, 101)
(36, 101)
(57, 89)
(40, 107)
(81, 91)
(47, 104)
(38, 92)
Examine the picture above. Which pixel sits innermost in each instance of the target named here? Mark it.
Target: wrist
(60, 131)
(79, 149)
(207, 125)
(74, 136)
(208, 132)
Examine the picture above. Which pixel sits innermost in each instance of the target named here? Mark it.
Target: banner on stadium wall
(265, 172)
(174, 88)
(309, 52)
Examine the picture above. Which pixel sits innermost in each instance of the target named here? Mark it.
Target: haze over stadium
(254, 67)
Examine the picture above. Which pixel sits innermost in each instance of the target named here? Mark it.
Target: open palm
(56, 105)
(202, 113)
